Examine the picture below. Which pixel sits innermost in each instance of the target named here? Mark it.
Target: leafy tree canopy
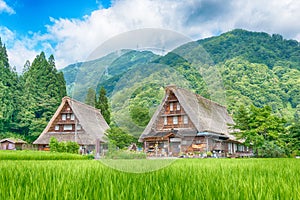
(119, 137)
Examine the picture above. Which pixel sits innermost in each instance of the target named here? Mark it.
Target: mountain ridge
(251, 67)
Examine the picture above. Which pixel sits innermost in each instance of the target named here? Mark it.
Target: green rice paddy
(39, 155)
(182, 179)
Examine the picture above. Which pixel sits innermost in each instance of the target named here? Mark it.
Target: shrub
(114, 153)
(67, 147)
(53, 144)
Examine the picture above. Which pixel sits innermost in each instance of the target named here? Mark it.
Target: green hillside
(236, 68)
(255, 47)
(81, 76)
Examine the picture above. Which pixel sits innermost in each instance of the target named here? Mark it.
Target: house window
(171, 106)
(72, 117)
(175, 120)
(241, 147)
(184, 142)
(178, 106)
(68, 109)
(234, 148)
(63, 117)
(229, 148)
(68, 127)
(198, 141)
(185, 119)
(56, 127)
(79, 127)
(68, 116)
(165, 120)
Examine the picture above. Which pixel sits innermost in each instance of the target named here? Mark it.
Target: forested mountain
(253, 68)
(103, 71)
(236, 68)
(254, 47)
(28, 101)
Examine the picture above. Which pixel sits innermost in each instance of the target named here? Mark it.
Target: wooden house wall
(166, 112)
(7, 145)
(58, 121)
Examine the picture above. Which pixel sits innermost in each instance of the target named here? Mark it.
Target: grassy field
(182, 179)
(39, 155)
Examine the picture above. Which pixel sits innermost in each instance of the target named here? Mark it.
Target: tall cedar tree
(42, 88)
(90, 98)
(102, 104)
(8, 86)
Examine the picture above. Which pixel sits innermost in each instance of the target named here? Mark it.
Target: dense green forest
(28, 100)
(254, 68)
(237, 68)
(257, 71)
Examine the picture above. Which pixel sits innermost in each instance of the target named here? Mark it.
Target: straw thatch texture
(92, 123)
(206, 115)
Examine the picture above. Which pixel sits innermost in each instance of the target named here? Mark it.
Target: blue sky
(71, 30)
(31, 16)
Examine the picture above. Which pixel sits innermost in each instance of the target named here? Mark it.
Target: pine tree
(102, 104)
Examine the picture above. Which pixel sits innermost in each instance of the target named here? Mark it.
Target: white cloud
(72, 40)
(5, 8)
(6, 34)
(18, 50)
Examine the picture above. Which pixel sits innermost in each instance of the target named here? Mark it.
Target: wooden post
(97, 155)
(168, 146)
(75, 130)
(207, 145)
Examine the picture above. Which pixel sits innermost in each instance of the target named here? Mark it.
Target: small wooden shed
(11, 144)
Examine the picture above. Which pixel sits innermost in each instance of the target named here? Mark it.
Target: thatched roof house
(74, 121)
(11, 144)
(186, 121)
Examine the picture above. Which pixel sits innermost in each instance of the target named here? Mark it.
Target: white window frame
(79, 127)
(240, 147)
(68, 116)
(165, 120)
(68, 127)
(234, 147)
(63, 117)
(171, 107)
(185, 119)
(72, 116)
(175, 120)
(56, 127)
(178, 106)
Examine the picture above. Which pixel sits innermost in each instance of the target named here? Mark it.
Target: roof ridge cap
(86, 105)
(198, 95)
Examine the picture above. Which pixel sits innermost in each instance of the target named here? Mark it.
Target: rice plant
(39, 155)
(182, 179)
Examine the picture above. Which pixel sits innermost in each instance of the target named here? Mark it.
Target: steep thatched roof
(92, 123)
(206, 115)
(13, 140)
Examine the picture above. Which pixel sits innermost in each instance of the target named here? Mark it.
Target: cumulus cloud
(72, 40)
(18, 50)
(5, 8)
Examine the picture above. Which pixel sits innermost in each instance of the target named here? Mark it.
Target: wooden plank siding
(186, 122)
